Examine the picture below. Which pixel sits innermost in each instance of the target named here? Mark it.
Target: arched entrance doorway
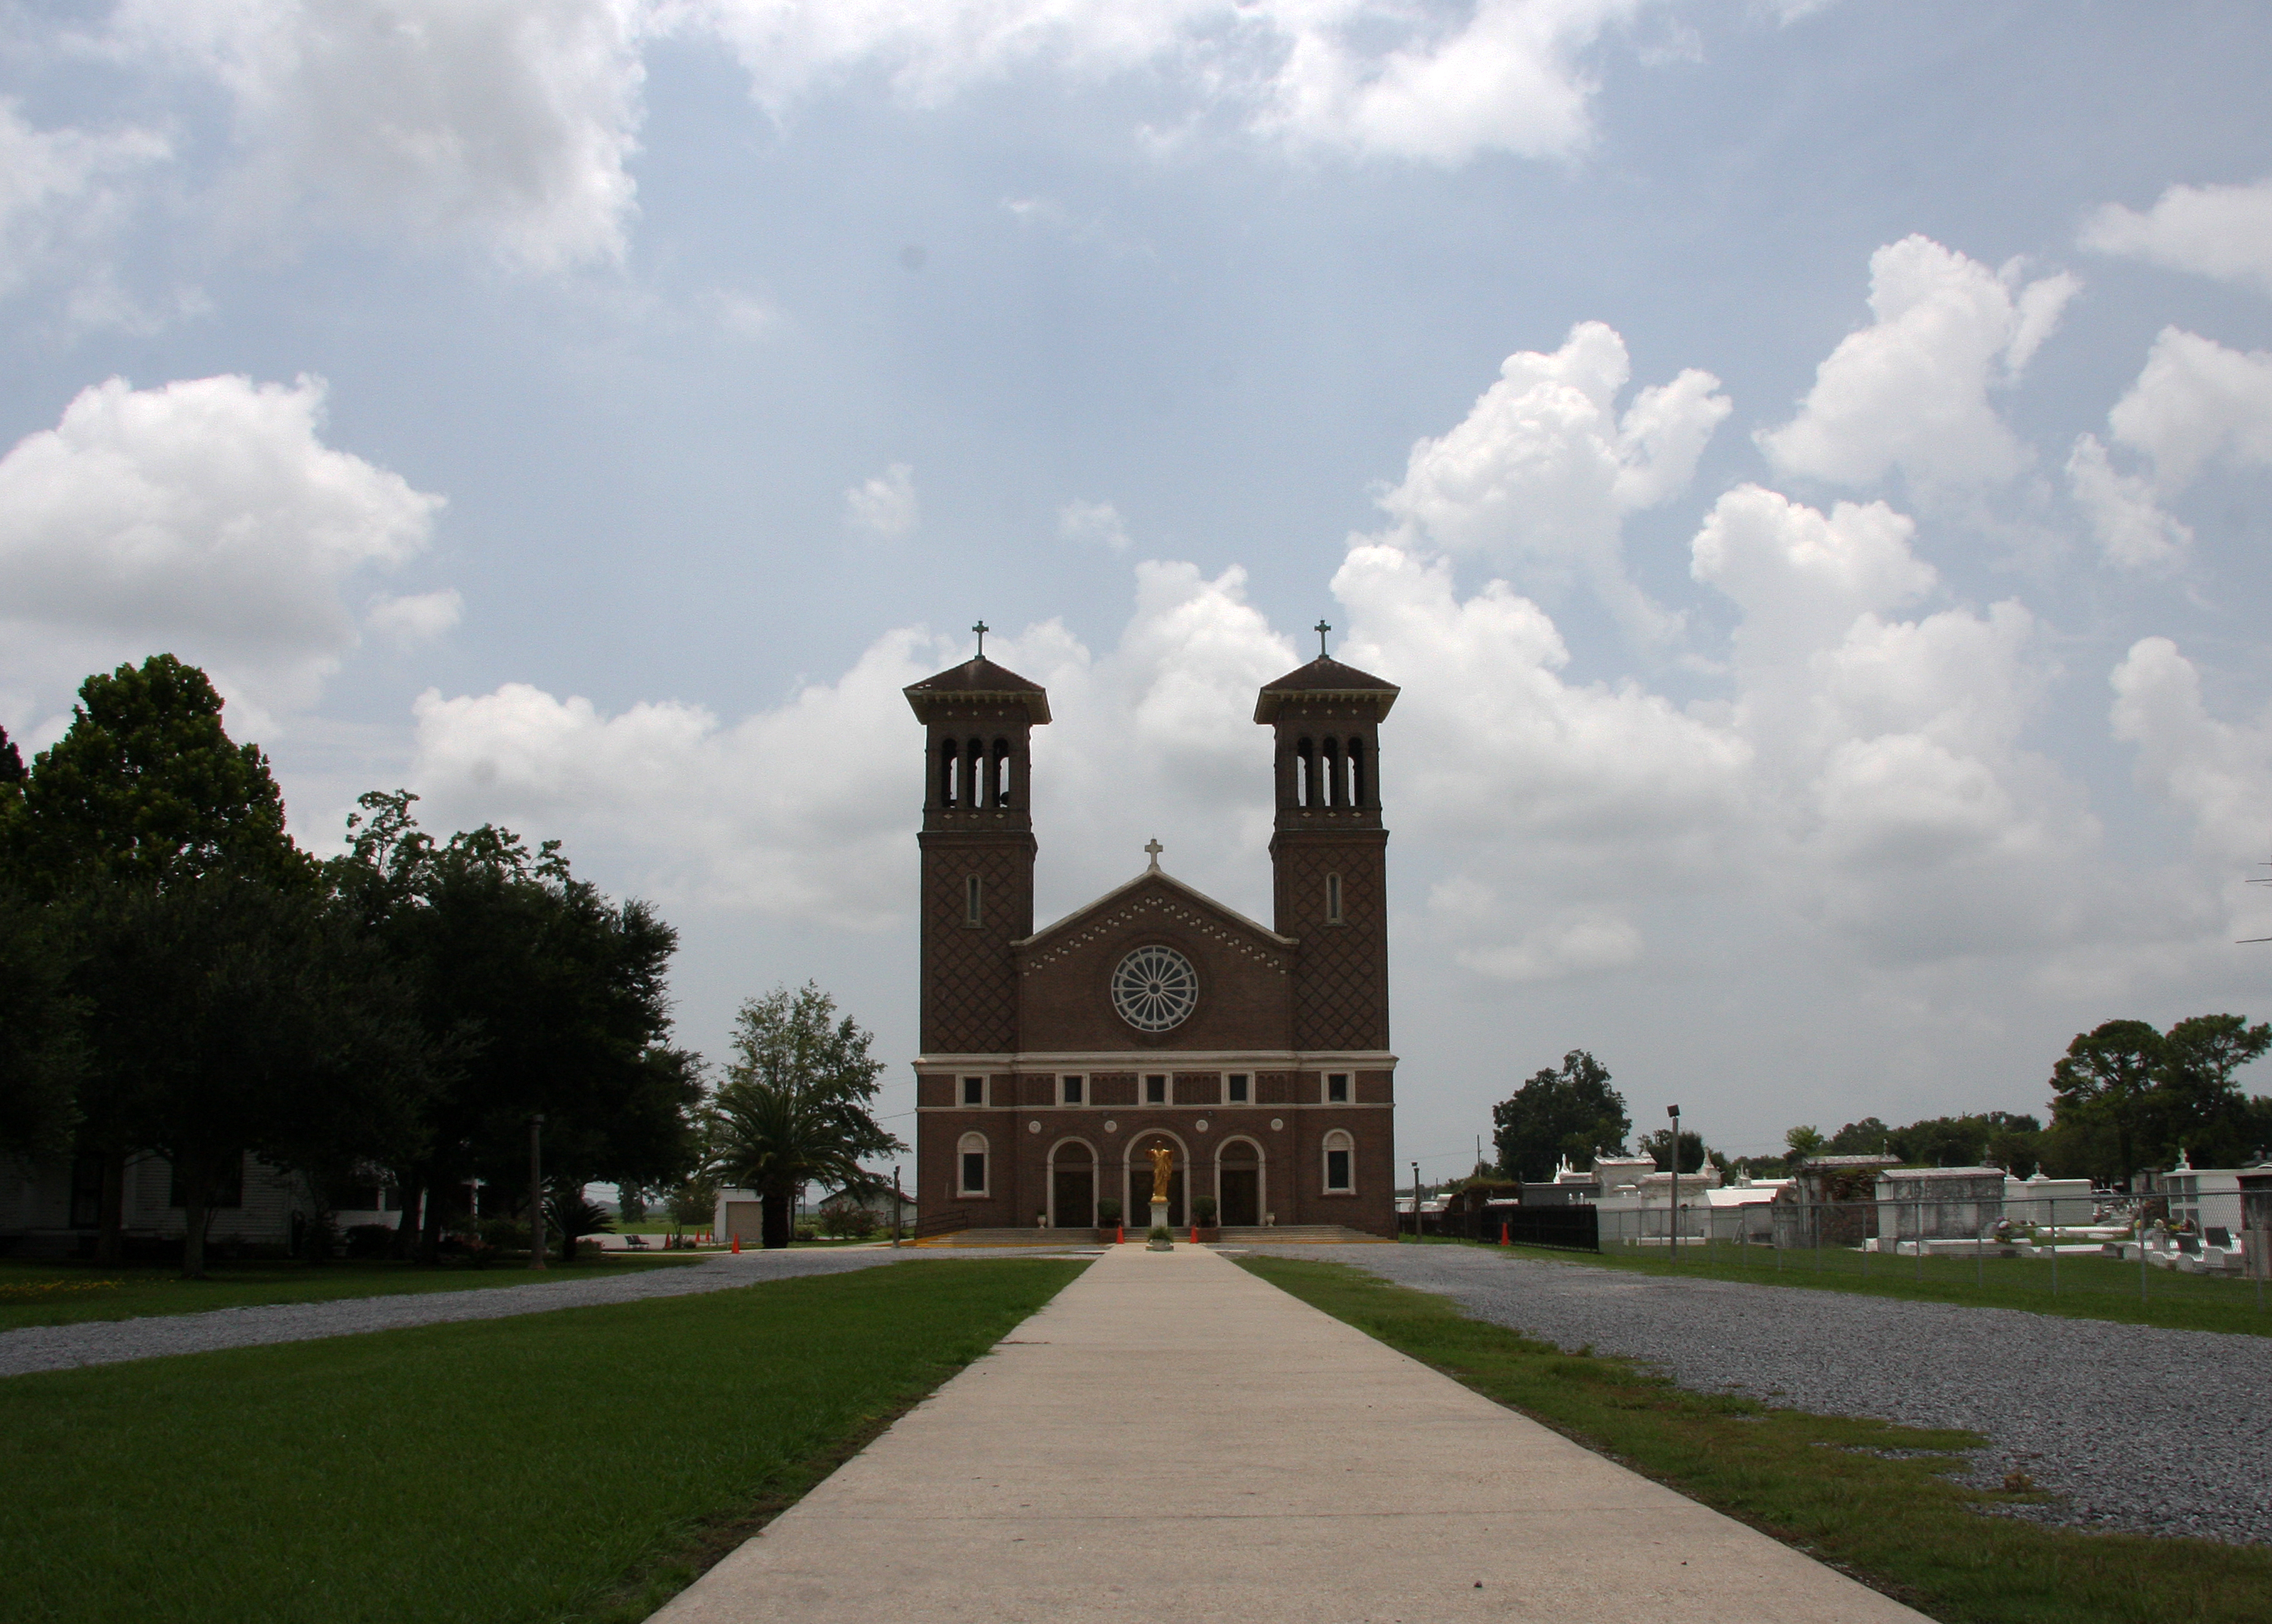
(1239, 1183)
(1072, 1185)
(1139, 1179)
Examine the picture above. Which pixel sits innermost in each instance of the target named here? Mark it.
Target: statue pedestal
(1159, 1222)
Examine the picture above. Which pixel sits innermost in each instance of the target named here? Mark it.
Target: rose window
(1155, 989)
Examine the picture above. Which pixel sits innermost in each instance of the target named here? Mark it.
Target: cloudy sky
(1805, 463)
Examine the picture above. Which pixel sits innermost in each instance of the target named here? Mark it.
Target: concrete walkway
(1172, 1439)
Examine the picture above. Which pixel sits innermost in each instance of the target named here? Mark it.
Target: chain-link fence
(2107, 1244)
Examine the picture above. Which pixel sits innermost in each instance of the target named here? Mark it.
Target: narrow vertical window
(1340, 1149)
(972, 1153)
(1333, 899)
(1329, 767)
(974, 1090)
(970, 899)
(1336, 1088)
(973, 774)
(1359, 796)
(1072, 1091)
(1155, 1090)
(1001, 790)
(1305, 763)
(949, 763)
(1236, 1086)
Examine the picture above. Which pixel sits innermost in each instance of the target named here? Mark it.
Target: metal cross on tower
(1155, 849)
(982, 628)
(1321, 628)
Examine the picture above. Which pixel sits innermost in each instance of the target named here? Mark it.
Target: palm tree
(794, 1108)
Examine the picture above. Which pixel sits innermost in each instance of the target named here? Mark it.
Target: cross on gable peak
(1321, 628)
(1155, 849)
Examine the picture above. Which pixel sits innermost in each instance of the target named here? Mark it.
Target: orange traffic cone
(1195, 1234)
(1120, 1231)
(737, 1246)
(1502, 1235)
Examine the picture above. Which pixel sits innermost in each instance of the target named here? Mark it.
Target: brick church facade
(1053, 1060)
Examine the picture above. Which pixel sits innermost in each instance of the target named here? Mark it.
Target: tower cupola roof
(978, 680)
(1325, 678)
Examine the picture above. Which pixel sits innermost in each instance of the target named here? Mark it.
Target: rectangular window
(970, 899)
(974, 1090)
(973, 1172)
(1072, 1091)
(1155, 1090)
(1337, 1170)
(1333, 899)
(1336, 1088)
(1237, 1094)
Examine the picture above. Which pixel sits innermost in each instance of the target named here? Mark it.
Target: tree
(794, 1107)
(1573, 1112)
(2204, 1115)
(549, 999)
(1867, 1137)
(1658, 1148)
(241, 1017)
(1802, 1142)
(145, 786)
(144, 792)
(43, 1051)
(2103, 1086)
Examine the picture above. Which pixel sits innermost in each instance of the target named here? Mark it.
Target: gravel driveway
(2158, 1432)
(107, 1342)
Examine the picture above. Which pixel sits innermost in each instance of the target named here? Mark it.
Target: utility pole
(1416, 1200)
(895, 1204)
(1674, 1112)
(535, 1193)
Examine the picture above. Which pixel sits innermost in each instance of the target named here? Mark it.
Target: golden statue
(1164, 1162)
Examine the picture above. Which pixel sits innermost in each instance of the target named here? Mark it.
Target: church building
(1054, 1060)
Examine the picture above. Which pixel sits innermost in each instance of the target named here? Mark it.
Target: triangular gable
(1107, 907)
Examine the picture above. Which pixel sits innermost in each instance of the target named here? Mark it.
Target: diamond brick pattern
(970, 982)
(1340, 989)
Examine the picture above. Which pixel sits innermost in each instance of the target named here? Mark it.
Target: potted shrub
(1203, 1211)
(1107, 1219)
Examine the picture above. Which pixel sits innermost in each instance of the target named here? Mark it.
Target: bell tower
(1329, 853)
(978, 848)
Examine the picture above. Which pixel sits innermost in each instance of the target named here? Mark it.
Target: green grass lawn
(581, 1465)
(1816, 1482)
(2089, 1288)
(71, 1293)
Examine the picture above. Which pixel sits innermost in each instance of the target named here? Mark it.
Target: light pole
(535, 1193)
(1416, 1200)
(895, 1205)
(1674, 1112)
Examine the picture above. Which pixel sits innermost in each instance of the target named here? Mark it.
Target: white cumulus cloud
(204, 517)
(1545, 469)
(507, 122)
(2219, 772)
(1096, 522)
(884, 507)
(2220, 231)
(64, 193)
(1911, 390)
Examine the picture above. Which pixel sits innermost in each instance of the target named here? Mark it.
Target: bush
(805, 1231)
(504, 1234)
(847, 1223)
(1108, 1213)
(366, 1241)
(1203, 1211)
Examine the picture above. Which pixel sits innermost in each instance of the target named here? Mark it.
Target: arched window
(1000, 793)
(1305, 775)
(1333, 899)
(972, 896)
(1356, 790)
(1330, 766)
(973, 774)
(970, 1158)
(949, 763)
(1341, 1156)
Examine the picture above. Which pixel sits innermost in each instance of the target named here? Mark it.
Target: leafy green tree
(43, 1051)
(2203, 1113)
(1803, 1142)
(1867, 1137)
(243, 1017)
(1658, 1148)
(1996, 1137)
(692, 1202)
(144, 792)
(794, 1108)
(2104, 1085)
(1572, 1112)
(549, 999)
(569, 1215)
(146, 787)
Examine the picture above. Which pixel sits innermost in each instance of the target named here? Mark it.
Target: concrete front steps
(1302, 1235)
(1256, 1235)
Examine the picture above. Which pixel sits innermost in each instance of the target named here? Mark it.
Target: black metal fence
(1574, 1228)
